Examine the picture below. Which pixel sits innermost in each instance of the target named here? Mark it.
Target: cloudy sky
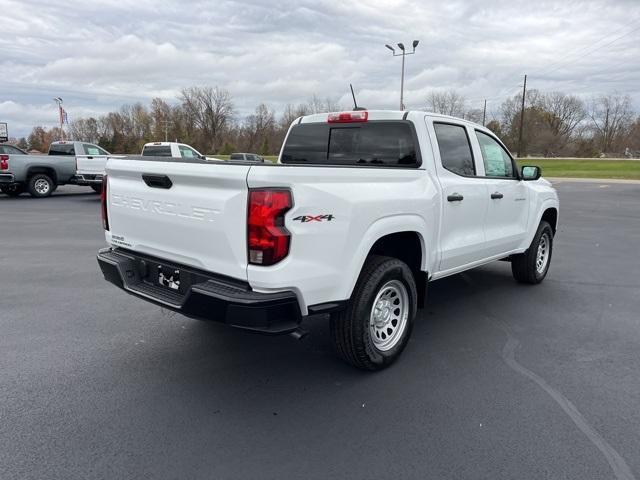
(99, 54)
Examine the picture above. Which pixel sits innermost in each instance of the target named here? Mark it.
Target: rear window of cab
(373, 143)
(157, 151)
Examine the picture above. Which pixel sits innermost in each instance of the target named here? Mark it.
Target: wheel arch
(548, 211)
(399, 237)
(47, 170)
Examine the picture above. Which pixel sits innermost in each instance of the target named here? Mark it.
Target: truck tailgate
(91, 164)
(190, 213)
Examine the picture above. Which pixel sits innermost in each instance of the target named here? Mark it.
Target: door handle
(456, 197)
(157, 181)
(90, 158)
(496, 196)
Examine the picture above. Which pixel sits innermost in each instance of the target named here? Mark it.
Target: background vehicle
(248, 157)
(40, 175)
(171, 149)
(11, 149)
(368, 207)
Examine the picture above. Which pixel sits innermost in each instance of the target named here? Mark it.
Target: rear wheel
(41, 185)
(12, 190)
(532, 266)
(97, 188)
(374, 328)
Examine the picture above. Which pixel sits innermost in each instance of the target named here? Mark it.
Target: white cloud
(98, 55)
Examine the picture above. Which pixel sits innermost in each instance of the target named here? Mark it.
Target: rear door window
(455, 149)
(375, 143)
(156, 151)
(61, 149)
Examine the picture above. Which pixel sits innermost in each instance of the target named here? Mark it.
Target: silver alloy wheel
(389, 314)
(42, 186)
(542, 257)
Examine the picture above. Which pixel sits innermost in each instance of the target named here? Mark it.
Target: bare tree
(258, 126)
(566, 112)
(446, 103)
(84, 130)
(611, 115)
(211, 110)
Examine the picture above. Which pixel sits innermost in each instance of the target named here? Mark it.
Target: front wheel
(374, 328)
(41, 185)
(532, 266)
(96, 188)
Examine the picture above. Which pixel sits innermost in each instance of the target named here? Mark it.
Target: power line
(589, 52)
(586, 47)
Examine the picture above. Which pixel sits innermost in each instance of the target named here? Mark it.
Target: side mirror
(530, 173)
(203, 157)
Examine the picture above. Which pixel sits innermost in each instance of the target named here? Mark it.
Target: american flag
(63, 115)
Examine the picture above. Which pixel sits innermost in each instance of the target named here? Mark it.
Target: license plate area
(169, 277)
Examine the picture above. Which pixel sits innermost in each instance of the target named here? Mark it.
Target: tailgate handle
(157, 181)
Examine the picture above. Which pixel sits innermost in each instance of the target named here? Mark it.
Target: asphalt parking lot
(500, 380)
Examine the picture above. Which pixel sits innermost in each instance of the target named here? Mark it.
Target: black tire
(525, 266)
(40, 185)
(13, 190)
(96, 188)
(350, 328)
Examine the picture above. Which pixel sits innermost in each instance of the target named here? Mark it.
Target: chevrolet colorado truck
(361, 211)
(40, 175)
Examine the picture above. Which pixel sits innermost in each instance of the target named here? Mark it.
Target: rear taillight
(103, 202)
(4, 162)
(267, 238)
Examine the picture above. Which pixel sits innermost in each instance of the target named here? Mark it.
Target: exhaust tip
(299, 333)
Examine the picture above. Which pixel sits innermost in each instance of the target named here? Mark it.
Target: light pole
(403, 54)
(58, 101)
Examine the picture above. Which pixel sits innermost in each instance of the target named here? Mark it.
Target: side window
(91, 149)
(455, 149)
(186, 152)
(497, 162)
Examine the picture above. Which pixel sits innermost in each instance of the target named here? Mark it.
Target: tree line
(554, 123)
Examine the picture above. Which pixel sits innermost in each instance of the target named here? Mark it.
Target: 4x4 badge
(314, 218)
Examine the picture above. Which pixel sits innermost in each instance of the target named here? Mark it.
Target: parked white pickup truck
(171, 149)
(362, 210)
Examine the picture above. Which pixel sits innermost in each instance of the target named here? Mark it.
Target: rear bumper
(7, 178)
(86, 179)
(207, 296)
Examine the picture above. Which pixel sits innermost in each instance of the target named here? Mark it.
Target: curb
(592, 180)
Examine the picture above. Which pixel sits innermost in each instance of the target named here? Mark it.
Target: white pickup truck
(362, 210)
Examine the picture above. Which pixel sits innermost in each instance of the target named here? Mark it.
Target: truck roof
(165, 144)
(382, 115)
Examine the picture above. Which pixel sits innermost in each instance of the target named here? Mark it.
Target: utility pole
(524, 93)
(404, 53)
(484, 112)
(166, 130)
